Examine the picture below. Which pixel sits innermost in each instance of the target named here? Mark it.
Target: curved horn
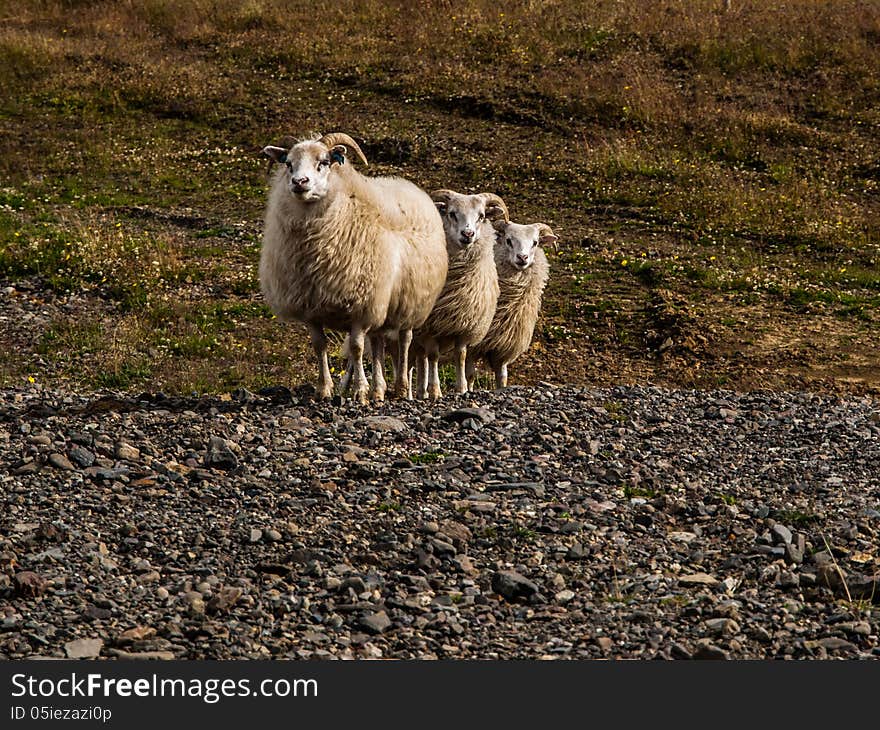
(442, 195)
(335, 138)
(495, 201)
(545, 231)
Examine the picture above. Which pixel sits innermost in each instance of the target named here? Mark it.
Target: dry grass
(728, 158)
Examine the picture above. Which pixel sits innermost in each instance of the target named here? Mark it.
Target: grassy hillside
(713, 177)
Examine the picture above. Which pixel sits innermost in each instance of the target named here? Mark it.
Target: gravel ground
(546, 522)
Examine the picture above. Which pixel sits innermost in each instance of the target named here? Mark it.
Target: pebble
(241, 514)
(697, 579)
(376, 623)
(512, 585)
(59, 461)
(83, 648)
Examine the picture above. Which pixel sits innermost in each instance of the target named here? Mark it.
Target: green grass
(427, 457)
(130, 137)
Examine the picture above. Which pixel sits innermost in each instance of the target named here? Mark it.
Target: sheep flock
(426, 278)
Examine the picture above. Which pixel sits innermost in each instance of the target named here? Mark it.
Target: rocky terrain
(546, 522)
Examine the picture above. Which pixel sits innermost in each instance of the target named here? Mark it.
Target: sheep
(463, 312)
(522, 275)
(347, 252)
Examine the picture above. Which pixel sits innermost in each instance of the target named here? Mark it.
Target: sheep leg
(501, 376)
(319, 343)
(404, 339)
(356, 353)
(377, 345)
(345, 380)
(433, 352)
(461, 382)
(421, 375)
(470, 372)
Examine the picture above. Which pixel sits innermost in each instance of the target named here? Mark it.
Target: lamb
(463, 312)
(522, 275)
(351, 253)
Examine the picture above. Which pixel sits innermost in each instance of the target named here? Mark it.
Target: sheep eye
(453, 216)
(323, 163)
(510, 243)
(534, 243)
(480, 218)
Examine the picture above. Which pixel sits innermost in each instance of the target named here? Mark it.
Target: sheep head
(519, 241)
(311, 163)
(463, 215)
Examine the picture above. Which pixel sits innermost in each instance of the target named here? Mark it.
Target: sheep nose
(300, 181)
(522, 258)
(467, 235)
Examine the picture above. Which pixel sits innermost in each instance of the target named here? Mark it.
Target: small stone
(834, 643)
(28, 584)
(142, 655)
(722, 626)
(83, 648)
(707, 650)
(682, 536)
(126, 452)
(138, 633)
(195, 603)
(512, 585)
(604, 643)
(225, 599)
(781, 534)
(81, 456)
(356, 583)
(565, 596)
(272, 535)
(465, 565)
(162, 593)
(577, 552)
(697, 579)
(151, 576)
(794, 555)
(483, 415)
(376, 623)
(59, 461)
(97, 613)
(384, 423)
(455, 530)
(255, 535)
(220, 455)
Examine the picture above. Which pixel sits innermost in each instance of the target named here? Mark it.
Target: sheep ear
(279, 154)
(500, 225)
(337, 154)
(548, 238)
(495, 212)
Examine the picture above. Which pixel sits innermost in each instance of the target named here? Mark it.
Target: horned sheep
(522, 275)
(346, 252)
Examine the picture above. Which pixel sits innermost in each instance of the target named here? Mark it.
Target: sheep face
(519, 241)
(463, 215)
(309, 168)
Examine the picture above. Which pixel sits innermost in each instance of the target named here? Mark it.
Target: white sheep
(350, 253)
(463, 312)
(522, 275)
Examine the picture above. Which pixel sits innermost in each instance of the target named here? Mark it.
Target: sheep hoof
(360, 396)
